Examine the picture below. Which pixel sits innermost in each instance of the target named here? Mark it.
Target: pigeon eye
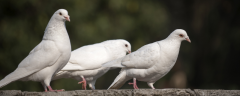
(60, 13)
(126, 45)
(180, 35)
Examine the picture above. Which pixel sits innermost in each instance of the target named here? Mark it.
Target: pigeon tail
(120, 80)
(72, 67)
(61, 74)
(15, 75)
(92, 84)
(114, 63)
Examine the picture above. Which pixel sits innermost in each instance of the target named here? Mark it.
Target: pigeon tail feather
(114, 63)
(15, 75)
(61, 74)
(120, 80)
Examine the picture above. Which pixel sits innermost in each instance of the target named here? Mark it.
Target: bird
(48, 57)
(85, 64)
(150, 62)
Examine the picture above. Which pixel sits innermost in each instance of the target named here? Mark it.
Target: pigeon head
(118, 45)
(118, 48)
(62, 14)
(126, 45)
(122, 45)
(180, 35)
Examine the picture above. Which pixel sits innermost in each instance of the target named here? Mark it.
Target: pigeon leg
(44, 86)
(46, 90)
(47, 83)
(84, 83)
(92, 86)
(51, 90)
(151, 85)
(134, 83)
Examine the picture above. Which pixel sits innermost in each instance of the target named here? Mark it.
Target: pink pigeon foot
(46, 90)
(84, 83)
(51, 90)
(134, 84)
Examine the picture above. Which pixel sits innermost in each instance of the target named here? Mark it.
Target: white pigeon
(149, 63)
(48, 57)
(85, 64)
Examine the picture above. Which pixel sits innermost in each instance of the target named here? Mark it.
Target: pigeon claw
(84, 84)
(134, 83)
(51, 90)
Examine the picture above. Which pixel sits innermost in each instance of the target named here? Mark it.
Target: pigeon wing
(43, 55)
(143, 58)
(87, 58)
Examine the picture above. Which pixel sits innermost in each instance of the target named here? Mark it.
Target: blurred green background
(211, 61)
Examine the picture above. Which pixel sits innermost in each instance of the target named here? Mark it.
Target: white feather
(150, 62)
(87, 61)
(48, 57)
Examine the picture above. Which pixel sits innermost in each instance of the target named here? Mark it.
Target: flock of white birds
(52, 59)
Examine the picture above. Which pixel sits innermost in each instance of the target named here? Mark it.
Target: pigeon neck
(169, 49)
(55, 29)
(171, 43)
(55, 23)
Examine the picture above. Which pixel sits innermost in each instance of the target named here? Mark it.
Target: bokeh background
(211, 61)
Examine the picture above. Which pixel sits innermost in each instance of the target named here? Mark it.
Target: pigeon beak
(188, 40)
(67, 18)
(129, 52)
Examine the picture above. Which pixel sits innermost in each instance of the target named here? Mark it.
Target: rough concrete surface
(205, 92)
(127, 92)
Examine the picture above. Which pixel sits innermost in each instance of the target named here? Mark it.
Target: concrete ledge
(206, 92)
(127, 92)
